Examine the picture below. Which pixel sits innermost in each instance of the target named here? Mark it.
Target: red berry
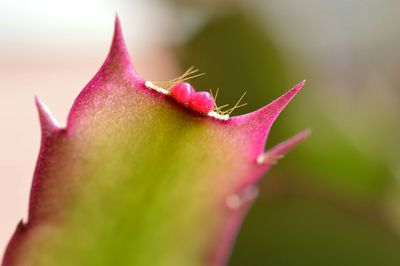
(182, 92)
(202, 102)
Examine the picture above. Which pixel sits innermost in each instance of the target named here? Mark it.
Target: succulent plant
(143, 176)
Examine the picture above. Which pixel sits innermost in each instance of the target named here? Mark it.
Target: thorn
(118, 46)
(272, 156)
(118, 57)
(47, 122)
(256, 125)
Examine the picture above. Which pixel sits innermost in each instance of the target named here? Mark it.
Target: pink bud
(182, 92)
(202, 102)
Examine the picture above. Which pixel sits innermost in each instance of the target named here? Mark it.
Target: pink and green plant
(138, 178)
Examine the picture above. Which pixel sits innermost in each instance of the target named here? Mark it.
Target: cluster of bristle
(220, 109)
(202, 102)
(189, 74)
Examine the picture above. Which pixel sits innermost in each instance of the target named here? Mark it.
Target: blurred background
(335, 200)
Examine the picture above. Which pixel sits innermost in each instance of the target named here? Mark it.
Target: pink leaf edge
(254, 127)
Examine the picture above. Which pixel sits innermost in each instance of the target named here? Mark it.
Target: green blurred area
(298, 231)
(338, 186)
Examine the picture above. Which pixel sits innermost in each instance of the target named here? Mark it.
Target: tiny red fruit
(202, 102)
(182, 92)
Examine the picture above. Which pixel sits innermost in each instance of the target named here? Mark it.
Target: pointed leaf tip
(279, 104)
(256, 125)
(118, 38)
(118, 50)
(48, 123)
(271, 111)
(118, 57)
(11, 252)
(116, 73)
(273, 155)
